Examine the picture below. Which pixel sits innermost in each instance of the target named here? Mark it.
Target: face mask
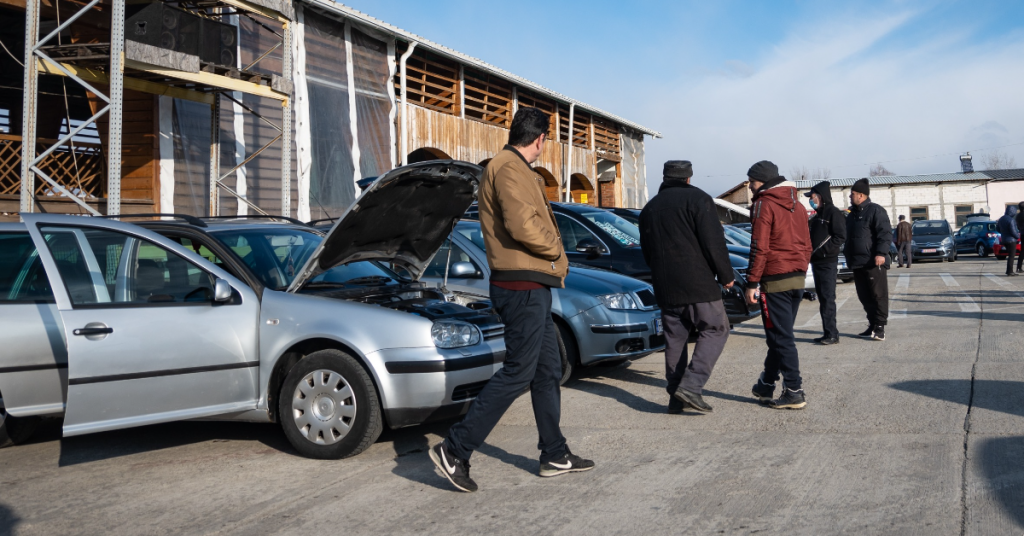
(814, 205)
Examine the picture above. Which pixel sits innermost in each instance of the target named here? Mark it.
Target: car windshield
(738, 236)
(472, 232)
(625, 233)
(931, 228)
(276, 256)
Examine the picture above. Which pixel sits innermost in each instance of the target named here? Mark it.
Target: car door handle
(93, 331)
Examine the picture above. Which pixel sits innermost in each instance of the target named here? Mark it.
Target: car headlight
(947, 241)
(454, 334)
(618, 301)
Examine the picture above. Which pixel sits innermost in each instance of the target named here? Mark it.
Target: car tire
(981, 251)
(16, 430)
(568, 351)
(332, 380)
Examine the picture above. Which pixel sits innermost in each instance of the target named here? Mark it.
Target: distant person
(780, 250)
(828, 233)
(526, 258)
(1007, 227)
(684, 244)
(904, 236)
(1020, 225)
(869, 235)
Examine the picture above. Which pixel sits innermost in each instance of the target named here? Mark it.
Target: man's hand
(751, 295)
(879, 260)
(729, 284)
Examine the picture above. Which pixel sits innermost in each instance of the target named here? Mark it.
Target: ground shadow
(994, 395)
(1001, 461)
(8, 520)
(412, 460)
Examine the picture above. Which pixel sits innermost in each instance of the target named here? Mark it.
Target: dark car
(632, 215)
(977, 237)
(933, 239)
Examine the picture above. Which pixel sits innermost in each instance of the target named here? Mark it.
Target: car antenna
(448, 263)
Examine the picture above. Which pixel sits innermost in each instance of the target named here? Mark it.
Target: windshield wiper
(369, 280)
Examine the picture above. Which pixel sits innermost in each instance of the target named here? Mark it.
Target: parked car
(845, 273)
(932, 239)
(600, 315)
(632, 215)
(118, 325)
(977, 237)
(1000, 253)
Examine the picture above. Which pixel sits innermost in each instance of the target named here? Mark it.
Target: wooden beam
(253, 8)
(210, 79)
(145, 86)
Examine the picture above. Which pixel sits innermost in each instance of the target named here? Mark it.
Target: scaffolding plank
(209, 79)
(145, 86)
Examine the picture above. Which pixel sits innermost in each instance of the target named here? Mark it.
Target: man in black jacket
(828, 233)
(1009, 235)
(684, 244)
(869, 233)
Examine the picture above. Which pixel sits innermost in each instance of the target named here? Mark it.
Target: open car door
(155, 333)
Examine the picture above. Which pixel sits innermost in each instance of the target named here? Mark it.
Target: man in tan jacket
(524, 251)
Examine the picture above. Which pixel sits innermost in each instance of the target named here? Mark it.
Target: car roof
(213, 226)
(12, 226)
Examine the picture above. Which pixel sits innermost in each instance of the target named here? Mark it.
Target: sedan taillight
(992, 235)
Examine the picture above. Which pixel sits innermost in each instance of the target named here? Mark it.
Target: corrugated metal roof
(892, 180)
(359, 16)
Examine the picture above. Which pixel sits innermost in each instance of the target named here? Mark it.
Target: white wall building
(948, 196)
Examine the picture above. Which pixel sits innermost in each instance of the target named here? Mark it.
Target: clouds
(842, 93)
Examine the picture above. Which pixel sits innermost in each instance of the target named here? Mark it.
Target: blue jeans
(531, 360)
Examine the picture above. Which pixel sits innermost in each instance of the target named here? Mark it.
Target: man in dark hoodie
(828, 233)
(869, 233)
(1020, 225)
(1007, 227)
(779, 253)
(683, 243)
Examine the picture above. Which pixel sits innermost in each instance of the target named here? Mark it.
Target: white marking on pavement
(1003, 283)
(902, 285)
(966, 303)
(816, 319)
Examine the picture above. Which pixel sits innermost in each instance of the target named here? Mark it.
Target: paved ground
(921, 434)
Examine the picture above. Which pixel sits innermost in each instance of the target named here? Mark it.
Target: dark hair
(527, 126)
(902, 217)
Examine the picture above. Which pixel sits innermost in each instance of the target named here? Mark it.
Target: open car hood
(404, 217)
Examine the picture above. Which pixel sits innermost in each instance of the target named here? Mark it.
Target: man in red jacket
(779, 255)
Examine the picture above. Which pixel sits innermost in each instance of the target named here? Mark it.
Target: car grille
(493, 331)
(467, 391)
(646, 297)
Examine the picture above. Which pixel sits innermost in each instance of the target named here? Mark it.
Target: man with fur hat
(828, 233)
(869, 233)
(684, 244)
(779, 253)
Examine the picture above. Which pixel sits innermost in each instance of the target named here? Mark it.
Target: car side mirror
(221, 291)
(464, 269)
(590, 247)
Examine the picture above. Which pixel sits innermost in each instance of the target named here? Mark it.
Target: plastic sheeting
(634, 170)
(372, 77)
(190, 122)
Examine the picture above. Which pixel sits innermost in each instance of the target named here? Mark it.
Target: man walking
(828, 233)
(684, 244)
(1007, 227)
(524, 251)
(904, 236)
(867, 254)
(779, 253)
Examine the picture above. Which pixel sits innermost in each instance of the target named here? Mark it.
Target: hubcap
(323, 407)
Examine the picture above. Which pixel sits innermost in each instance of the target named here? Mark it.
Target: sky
(806, 84)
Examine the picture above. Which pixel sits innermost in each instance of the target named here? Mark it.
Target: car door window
(572, 232)
(436, 268)
(22, 276)
(100, 266)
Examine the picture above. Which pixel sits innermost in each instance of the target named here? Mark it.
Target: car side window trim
(605, 250)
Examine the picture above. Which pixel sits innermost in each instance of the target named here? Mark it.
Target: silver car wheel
(323, 407)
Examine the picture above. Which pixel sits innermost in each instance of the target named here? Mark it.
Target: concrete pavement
(920, 434)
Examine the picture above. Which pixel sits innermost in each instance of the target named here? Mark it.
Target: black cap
(823, 189)
(862, 187)
(678, 169)
(763, 171)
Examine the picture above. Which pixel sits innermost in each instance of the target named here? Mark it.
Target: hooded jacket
(1007, 225)
(868, 235)
(684, 245)
(781, 244)
(1020, 216)
(828, 227)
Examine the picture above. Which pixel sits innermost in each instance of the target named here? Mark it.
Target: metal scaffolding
(205, 85)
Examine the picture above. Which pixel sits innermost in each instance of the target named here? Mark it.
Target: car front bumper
(935, 252)
(603, 334)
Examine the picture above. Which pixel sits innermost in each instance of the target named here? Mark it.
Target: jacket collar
(517, 153)
(861, 206)
(673, 183)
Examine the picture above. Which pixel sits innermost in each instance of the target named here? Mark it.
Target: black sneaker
(763, 392)
(789, 400)
(675, 406)
(570, 463)
(827, 340)
(454, 469)
(692, 400)
(867, 332)
(878, 334)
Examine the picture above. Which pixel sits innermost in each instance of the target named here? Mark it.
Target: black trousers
(904, 255)
(873, 293)
(531, 360)
(825, 275)
(1011, 253)
(778, 313)
(712, 325)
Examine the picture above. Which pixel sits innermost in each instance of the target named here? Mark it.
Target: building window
(918, 213)
(961, 214)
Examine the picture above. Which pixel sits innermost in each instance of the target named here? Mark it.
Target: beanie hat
(678, 169)
(763, 171)
(862, 187)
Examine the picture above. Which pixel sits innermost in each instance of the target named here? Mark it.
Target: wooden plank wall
(140, 161)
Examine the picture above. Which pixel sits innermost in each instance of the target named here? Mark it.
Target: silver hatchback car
(117, 325)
